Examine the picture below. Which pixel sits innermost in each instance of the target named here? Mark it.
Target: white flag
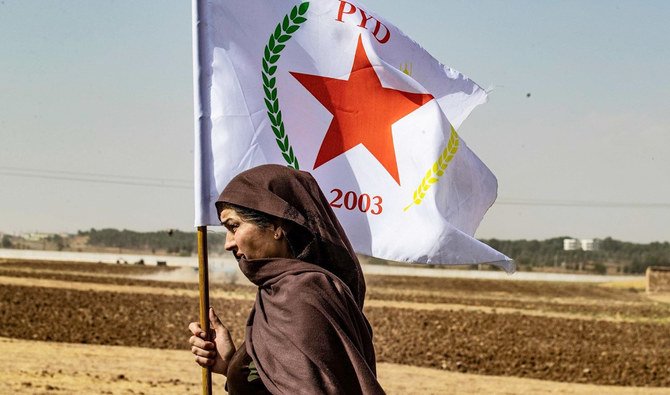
(332, 88)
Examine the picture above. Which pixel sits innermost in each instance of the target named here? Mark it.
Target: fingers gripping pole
(203, 276)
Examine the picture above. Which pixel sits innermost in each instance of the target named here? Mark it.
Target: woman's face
(248, 240)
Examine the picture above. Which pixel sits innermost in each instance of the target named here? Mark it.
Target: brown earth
(577, 300)
(66, 368)
(492, 343)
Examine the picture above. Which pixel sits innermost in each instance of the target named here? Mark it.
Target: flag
(332, 88)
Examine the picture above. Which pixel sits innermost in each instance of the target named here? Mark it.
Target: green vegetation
(6, 242)
(172, 241)
(59, 241)
(612, 256)
(623, 257)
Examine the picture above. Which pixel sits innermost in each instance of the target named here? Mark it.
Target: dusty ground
(444, 328)
(35, 367)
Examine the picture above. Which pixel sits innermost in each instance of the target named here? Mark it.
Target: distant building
(37, 236)
(571, 244)
(583, 244)
(590, 244)
(658, 279)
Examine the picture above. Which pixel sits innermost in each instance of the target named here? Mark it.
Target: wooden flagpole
(201, 69)
(203, 278)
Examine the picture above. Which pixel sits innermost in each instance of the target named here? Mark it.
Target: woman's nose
(230, 242)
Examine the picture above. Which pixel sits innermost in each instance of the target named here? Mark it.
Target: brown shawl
(306, 333)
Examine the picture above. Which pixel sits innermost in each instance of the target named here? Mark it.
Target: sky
(96, 112)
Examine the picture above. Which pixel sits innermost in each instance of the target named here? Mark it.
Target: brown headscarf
(306, 333)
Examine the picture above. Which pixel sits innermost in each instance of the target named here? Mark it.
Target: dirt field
(445, 329)
(51, 368)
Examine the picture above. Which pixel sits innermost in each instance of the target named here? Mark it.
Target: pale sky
(96, 112)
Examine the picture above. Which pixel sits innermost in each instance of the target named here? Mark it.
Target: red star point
(363, 111)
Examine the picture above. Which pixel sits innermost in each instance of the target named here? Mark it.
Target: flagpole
(201, 69)
(203, 279)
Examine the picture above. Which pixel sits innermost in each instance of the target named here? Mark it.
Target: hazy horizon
(96, 112)
(221, 230)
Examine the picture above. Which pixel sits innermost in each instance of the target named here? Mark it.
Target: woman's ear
(280, 234)
(279, 231)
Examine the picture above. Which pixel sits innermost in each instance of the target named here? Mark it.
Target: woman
(306, 333)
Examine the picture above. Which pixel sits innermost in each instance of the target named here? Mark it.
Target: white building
(36, 236)
(571, 244)
(583, 244)
(590, 244)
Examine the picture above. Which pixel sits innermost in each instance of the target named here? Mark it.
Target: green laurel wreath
(282, 33)
(437, 170)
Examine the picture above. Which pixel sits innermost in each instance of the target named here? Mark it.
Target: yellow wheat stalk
(437, 170)
(406, 68)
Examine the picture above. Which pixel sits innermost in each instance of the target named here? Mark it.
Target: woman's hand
(218, 351)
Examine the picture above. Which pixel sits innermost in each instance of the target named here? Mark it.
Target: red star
(363, 111)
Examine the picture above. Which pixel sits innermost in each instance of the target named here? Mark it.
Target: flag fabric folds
(332, 88)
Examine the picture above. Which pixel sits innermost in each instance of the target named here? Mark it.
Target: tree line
(171, 241)
(628, 257)
(612, 256)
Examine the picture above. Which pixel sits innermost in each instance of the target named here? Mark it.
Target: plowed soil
(592, 350)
